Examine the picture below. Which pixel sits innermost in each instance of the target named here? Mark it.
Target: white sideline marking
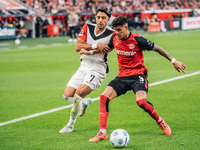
(41, 113)
(94, 99)
(4, 44)
(175, 78)
(25, 48)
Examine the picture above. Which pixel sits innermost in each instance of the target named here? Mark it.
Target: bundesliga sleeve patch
(144, 44)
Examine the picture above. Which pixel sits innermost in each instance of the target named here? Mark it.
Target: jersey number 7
(92, 77)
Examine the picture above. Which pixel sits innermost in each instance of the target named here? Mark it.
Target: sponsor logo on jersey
(125, 52)
(81, 33)
(131, 46)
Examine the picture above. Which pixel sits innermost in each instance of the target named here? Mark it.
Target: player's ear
(126, 26)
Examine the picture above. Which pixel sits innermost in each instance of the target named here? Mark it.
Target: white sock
(69, 99)
(86, 101)
(75, 109)
(71, 123)
(103, 131)
(159, 120)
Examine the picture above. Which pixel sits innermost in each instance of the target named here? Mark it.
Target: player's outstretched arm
(179, 66)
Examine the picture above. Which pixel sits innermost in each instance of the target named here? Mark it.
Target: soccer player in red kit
(132, 74)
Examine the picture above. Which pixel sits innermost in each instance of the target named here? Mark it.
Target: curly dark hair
(119, 21)
(105, 10)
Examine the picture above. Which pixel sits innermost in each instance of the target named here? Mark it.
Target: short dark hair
(119, 21)
(105, 10)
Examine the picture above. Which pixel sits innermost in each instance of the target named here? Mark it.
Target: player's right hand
(104, 49)
(107, 49)
(179, 66)
(101, 47)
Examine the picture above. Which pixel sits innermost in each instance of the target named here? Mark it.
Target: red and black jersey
(130, 55)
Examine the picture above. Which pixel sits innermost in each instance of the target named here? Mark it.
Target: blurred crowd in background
(78, 12)
(87, 6)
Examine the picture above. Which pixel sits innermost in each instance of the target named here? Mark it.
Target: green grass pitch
(33, 77)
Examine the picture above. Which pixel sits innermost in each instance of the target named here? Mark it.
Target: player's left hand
(179, 66)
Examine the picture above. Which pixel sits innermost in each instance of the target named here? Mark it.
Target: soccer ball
(119, 138)
(17, 41)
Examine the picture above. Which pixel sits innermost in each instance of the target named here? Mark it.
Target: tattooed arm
(177, 65)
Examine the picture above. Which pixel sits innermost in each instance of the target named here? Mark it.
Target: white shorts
(91, 73)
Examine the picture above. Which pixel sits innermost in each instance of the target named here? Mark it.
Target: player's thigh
(78, 78)
(94, 78)
(139, 83)
(141, 95)
(119, 86)
(140, 86)
(109, 92)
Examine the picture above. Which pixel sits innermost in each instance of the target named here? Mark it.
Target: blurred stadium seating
(35, 15)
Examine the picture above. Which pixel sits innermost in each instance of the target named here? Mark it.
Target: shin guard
(103, 111)
(148, 107)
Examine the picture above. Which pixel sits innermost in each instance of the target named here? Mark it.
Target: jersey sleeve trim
(144, 44)
(110, 44)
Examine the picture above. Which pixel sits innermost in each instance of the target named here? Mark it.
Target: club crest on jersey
(131, 46)
(116, 43)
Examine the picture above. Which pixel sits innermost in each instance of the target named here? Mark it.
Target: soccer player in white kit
(93, 68)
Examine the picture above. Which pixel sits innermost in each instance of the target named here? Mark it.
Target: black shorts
(123, 84)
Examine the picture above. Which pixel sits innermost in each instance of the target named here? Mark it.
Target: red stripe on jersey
(130, 57)
(146, 85)
(83, 34)
(113, 33)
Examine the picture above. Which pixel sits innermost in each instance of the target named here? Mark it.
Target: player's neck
(127, 35)
(99, 30)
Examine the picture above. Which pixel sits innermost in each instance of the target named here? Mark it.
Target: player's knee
(80, 93)
(143, 104)
(83, 91)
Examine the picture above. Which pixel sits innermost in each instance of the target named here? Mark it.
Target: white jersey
(93, 67)
(88, 34)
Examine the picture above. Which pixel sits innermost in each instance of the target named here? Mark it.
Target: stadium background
(41, 18)
(34, 74)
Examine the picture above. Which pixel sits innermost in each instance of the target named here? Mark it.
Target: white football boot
(85, 103)
(67, 129)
